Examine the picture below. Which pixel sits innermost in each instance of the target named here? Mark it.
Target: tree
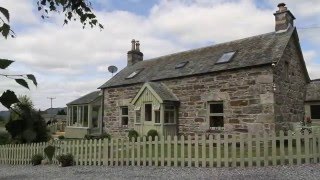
(61, 112)
(26, 124)
(72, 9)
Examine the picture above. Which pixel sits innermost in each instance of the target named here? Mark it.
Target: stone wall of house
(290, 88)
(247, 95)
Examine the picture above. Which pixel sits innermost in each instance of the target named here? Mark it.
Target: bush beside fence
(198, 151)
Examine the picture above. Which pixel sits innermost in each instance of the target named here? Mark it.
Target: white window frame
(215, 114)
(169, 110)
(121, 116)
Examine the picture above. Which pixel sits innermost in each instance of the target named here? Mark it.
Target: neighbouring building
(256, 84)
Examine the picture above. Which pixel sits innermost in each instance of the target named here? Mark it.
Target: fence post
(298, 142)
(258, 149)
(234, 150)
(241, 151)
(144, 149)
(127, 151)
(314, 147)
(139, 151)
(282, 153)
(218, 154)
(211, 158)
(162, 150)
(150, 151)
(226, 150)
(105, 151)
(133, 152)
(196, 151)
(265, 149)
(203, 153)
(169, 150)
(189, 152)
(175, 147)
(306, 147)
(290, 152)
(156, 146)
(182, 151)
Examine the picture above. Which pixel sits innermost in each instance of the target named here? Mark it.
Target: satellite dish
(112, 69)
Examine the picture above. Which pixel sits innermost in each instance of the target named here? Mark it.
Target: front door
(148, 122)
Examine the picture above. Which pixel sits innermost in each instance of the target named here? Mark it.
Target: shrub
(105, 135)
(153, 133)
(4, 138)
(36, 159)
(61, 137)
(87, 137)
(65, 159)
(49, 151)
(133, 134)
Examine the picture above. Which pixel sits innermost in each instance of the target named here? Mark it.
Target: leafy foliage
(4, 138)
(49, 151)
(72, 9)
(153, 133)
(4, 63)
(8, 98)
(65, 159)
(61, 112)
(133, 134)
(36, 159)
(26, 124)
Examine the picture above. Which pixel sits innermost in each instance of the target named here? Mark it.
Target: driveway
(310, 172)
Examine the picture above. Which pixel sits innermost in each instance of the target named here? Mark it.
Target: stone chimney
(284, 18)
(134, 55)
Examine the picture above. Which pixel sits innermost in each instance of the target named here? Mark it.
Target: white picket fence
(57, 126)
(198, 151)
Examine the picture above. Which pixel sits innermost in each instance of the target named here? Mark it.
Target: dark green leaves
(22, 82)
(5, 12)
(4, 63)
(5, 30)
(8, 98)
(32, 78)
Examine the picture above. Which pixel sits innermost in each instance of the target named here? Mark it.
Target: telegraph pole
(51, 98)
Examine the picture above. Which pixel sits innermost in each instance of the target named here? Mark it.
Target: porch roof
(159, 90)
(313, 90)
(86, 99)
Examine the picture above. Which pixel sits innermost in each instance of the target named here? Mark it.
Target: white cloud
(69, 61)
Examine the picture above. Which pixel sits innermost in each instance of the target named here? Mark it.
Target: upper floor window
(216, 119)
(226, 57)
(124, 115)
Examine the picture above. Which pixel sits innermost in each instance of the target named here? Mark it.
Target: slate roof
(86, 99)
(253, 51)
(313, 91)
(164, 93)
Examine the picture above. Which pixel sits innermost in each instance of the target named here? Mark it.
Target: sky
(69, 61)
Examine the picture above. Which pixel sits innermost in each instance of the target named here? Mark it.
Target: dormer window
(226, 57)
(181, 65)
(134, 74)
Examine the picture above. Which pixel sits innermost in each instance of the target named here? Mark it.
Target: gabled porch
(156, 107)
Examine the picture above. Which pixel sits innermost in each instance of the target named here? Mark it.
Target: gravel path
(309, 172)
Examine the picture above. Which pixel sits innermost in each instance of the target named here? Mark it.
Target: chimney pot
(134, 55)
(284, 18)
(133, 45)
(137, 46)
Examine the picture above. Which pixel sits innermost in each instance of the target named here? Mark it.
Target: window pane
(138, 116)
(169, 107)
(124, 121)
(95, 116)
(85, 116)
(74, 114)
(216, 121)
(157, 116)
(80, 114)
(171, 117)
(216, 108)
(315, 111)
(148, 112)
(166, 117)
(124, 111)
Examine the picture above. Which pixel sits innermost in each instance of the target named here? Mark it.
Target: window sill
(216, 128)
(137, 123)
(169, 124)
(157, 124)
(124, 126)
(78, 127)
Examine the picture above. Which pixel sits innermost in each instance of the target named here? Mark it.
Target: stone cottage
(254, 84)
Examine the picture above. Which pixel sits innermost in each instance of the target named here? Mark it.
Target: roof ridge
(204, 47)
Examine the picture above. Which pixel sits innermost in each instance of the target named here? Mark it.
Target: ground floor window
(215, 113)
(79, 116)
(169, 114)
(315, 111)
(148, 112)
(124, 115)
(95, 116)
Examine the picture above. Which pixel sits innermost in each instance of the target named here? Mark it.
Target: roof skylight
(134, 74)
(181, 65)
(226, 57)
